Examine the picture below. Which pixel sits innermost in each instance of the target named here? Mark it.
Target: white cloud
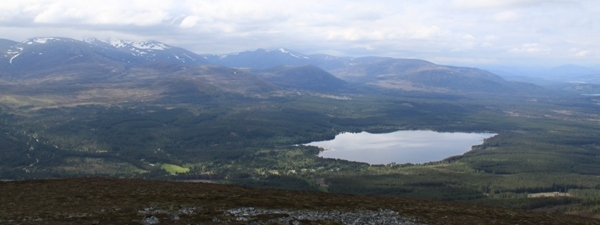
(582, 53)
(106, 12)
(414, 28)
(531, 48)
(483, 4)
(189, 22)
(507, 16)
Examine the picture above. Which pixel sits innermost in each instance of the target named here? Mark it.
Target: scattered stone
(187, 211)
(294, 217)
(149, 220)
(250, 216)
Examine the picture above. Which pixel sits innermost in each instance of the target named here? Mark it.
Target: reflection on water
(399, 147)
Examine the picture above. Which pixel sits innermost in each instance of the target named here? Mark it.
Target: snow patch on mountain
(139, 45)
(150, 45)
(42, 40)
(300, 57)
(117, 43)
(136, 48)
(13, 53)
(188, 57)
(142, 48)
(285, 51)
(12, 58)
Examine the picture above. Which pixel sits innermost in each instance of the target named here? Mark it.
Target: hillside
(260, 59)
(423, 76)
(131, 201)
(306, 77)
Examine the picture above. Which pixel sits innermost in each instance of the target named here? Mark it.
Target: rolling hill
(308, 77)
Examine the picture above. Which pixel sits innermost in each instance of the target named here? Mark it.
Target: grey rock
(149, 220)
(294, 216)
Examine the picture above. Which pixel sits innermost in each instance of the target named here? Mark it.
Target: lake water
(400, 147)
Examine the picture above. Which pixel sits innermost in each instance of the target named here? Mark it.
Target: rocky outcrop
(277, 216)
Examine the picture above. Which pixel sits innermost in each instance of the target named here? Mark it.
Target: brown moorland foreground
(134, 201)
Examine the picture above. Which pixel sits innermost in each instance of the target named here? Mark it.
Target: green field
(174, 169)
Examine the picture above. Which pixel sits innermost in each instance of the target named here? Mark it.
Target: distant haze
(545, 33)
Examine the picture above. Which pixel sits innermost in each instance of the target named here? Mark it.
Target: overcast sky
(460, 32)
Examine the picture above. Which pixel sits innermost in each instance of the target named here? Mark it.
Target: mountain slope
(307, 77)
(5, 44)
(98, 201)
(268, 58)
(152, 51)
(227, 79)
(36, 56)
(260, 59)
(423, 76)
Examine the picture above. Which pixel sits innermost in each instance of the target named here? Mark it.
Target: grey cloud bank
(460, 32)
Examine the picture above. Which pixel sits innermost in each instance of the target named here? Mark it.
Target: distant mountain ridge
(563, 73)
(382, 72)
(261, 59)
(269, 58)
(55, 58)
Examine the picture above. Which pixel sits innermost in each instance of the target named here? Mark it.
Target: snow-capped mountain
(42, 53)
(151, 51)
(38, 54)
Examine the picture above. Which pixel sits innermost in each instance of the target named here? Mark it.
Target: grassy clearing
(174, 169)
